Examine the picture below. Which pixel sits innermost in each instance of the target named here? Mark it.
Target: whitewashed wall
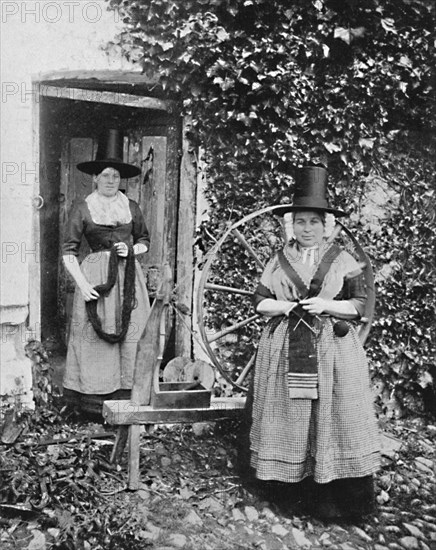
(37, 37)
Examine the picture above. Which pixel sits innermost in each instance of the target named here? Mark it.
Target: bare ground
(59, 491)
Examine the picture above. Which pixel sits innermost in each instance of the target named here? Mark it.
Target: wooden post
(201, 216)
(172, 197)
(148, 359)
(153, 198)
(134, 452)
(34, 321)
(185, 245)
(119, 444)
(149, 345)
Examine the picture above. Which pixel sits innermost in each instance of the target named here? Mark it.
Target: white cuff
(140, 248)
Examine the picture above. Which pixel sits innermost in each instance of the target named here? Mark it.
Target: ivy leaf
(347, 35)
(184, 31)
(332, 147)
(425, 379)
(358, 32)
(389, 25)
(405, 61)
(222, 35)
(403, 86)
(166, 46)
(343, 34)
(366, 143)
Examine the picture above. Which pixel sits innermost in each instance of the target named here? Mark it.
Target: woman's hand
(88, 291)
(288, 310)
(85, 287)
(273, 308)
(342, 309)
(122, 249)
(315, 306)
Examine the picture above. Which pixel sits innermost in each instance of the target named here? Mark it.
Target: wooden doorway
(70, 120)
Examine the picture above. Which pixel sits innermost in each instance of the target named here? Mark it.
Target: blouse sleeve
(264, 288)
(354, 289)
(74, 231)
(139, 229)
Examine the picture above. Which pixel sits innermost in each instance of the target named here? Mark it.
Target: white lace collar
(109, 210)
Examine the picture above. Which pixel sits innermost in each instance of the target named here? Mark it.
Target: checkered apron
(332, 437)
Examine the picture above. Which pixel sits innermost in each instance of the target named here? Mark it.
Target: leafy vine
(270, 84)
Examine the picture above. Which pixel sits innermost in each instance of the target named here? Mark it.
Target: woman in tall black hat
(111, 303)
(313, 436)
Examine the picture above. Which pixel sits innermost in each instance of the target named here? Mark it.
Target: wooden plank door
(150, 193)
(74, 185)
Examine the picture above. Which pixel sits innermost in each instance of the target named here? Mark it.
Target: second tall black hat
(109, 154)
(310, 192)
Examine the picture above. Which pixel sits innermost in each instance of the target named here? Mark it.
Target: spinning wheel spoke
(246, 370)
(221, 288)
(247, 247)
(234, 327)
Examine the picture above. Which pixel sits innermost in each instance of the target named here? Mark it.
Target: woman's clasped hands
(314, 306)
(122, 249)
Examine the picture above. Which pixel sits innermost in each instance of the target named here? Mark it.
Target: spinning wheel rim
(210, 256)
(362, 331)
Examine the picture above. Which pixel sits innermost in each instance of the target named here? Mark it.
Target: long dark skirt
(90, 405)
(348, 498)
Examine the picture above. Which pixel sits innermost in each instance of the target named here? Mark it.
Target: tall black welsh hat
(109, 154)
(310, 192)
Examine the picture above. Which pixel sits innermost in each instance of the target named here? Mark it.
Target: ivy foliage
(270, 84)
(402, 342)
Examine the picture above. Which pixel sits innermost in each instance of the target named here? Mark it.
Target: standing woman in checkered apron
(313, 436)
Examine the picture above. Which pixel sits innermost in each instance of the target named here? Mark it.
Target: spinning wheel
(228, 325)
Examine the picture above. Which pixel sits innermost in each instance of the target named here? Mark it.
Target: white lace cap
(288, 223)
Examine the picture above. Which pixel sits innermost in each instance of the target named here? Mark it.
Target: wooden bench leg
(133, 471)
(120, 443)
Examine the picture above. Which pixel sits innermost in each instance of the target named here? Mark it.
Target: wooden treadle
(127, 412)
